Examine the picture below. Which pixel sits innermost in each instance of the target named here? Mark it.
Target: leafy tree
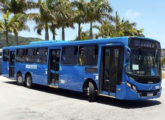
(97, 10)
(80, 15)
(105, 30)
(52, 28)
(84, 36)
(20, 19)
(117, 28)
(17, 6)
(63, 14)
(8, 24)
(53, 14)
(43, 18)
(125, 28)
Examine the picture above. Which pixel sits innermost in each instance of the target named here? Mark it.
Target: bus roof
(43, 43)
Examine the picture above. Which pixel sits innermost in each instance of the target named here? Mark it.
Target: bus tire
(91, 92)
(19, 79)
(28, 81)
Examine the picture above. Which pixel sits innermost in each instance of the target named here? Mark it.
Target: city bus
(125, 68)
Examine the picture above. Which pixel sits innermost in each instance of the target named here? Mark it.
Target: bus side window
(88, 55)
(69, 55)
(5, 55)
(31, 55)
(41, 54)
(20, 55)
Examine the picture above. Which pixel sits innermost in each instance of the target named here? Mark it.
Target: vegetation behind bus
(54, 14)
(21, 40)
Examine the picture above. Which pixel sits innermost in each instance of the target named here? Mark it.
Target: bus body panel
(38, 72)
(5, 69)
(72, 77)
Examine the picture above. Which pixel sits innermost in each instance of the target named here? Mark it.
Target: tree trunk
(79, 31)
(46, 32)
(16, 38)
(91, 31)
(63, 33)
(54, 34)
(46, 36)
(7, 38)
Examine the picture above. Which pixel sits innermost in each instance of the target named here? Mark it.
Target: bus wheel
(29, 83)
(19, 79)
(91, 92)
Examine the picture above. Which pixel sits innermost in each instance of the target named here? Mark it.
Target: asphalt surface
(43, 103)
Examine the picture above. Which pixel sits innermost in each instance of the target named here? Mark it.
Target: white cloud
(130, 14)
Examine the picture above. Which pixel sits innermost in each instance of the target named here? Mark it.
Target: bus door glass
(53, 66)
(111, 68)
(11, 63)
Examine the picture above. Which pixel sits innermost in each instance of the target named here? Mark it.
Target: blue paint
(72, 77)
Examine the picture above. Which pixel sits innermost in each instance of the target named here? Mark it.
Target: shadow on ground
(101, 100)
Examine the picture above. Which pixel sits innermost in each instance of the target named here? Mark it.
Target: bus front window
(144, 62)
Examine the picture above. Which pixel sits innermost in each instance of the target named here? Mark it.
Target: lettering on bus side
(31, 67)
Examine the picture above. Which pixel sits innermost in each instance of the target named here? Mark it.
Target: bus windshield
(144, 62)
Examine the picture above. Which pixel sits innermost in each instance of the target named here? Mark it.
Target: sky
(148, 14)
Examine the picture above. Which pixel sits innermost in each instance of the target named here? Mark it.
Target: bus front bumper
(127, 93)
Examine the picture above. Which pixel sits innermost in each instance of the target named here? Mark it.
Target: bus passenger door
(53, 66)
(111, 68)
(11, 63)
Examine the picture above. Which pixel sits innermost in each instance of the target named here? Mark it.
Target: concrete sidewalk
(42, 103)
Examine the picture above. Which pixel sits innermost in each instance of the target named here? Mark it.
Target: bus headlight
(131, 86)
(134, 88)
(128, 84)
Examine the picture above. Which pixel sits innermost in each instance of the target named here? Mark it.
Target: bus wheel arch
(90, 89)
(19, 78)
(28, 80)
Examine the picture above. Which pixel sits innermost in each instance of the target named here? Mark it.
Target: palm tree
(84, 35)
(4, 4)
(8, 25)
(80, 16)
(43, 18)
(62, 13)
(52, 28)
(17, 6)
(105, 30)
(20, 18)
(129, 29)
(125, 27)
(97, 10)
(118, 27)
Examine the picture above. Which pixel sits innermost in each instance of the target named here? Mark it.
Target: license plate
(149, 94)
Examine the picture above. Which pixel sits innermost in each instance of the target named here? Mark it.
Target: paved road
(42, 103)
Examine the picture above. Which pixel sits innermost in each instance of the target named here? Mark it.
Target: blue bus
(125, 68)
